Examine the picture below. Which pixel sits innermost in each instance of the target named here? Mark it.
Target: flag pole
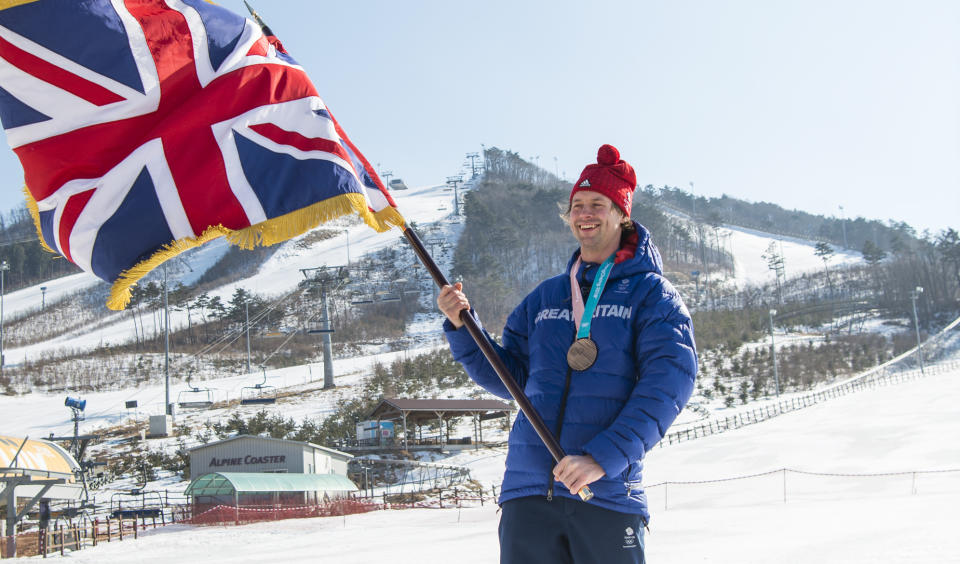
(474, 329)
(498, 366)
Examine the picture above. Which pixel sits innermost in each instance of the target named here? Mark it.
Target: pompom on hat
(611, 176)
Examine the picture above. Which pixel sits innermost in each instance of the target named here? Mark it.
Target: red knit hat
(611, 176)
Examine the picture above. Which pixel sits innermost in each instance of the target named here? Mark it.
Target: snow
(39, 414)
(853, 519)
(893, 429)
(748, 246)
(31, 298)
(278, 276)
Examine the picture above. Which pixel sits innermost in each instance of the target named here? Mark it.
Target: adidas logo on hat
(584, 184)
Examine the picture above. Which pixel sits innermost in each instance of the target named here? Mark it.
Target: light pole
(246, 312)
(914, 294)
(773, 350)
(168, 409)
(4, 266)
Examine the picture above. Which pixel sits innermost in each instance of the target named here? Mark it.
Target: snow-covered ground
(748, 246)
(825, 519)
(39, 414)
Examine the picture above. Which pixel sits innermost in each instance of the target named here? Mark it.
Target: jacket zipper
(566, 392)
(563, 409)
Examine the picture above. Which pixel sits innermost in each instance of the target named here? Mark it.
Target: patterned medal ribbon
(583, 352)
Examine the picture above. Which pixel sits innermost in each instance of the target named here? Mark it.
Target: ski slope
(748, 246)
(279, 275)
(843, 519)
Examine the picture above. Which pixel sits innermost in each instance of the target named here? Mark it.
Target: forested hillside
(20, 247)
(514, 238)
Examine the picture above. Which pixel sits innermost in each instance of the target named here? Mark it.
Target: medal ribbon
(583, 315)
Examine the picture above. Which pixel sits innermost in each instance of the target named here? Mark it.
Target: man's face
(595, 222)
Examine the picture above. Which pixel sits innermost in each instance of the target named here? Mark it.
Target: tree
(948, 244)
(775, 263)
(825, 252)
(872, 253)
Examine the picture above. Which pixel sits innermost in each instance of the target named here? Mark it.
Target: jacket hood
(645, 259)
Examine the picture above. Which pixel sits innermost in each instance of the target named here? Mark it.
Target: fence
(436, 499)
(61, 538)
(769, 411)
(785, 484)
(881, 375)
(238, 515)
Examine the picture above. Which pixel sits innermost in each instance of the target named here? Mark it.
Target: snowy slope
(829, 520)
(279, 275)
(747, 247)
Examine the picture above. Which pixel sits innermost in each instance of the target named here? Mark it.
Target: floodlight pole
(773, 350)
(4, 266)
(552, 444)
(167, 409)
(246, 313)
(914, 294)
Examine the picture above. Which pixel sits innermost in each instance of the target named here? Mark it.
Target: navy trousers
(567, 531)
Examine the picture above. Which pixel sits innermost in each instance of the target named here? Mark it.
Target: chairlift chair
(361, 299)
(387, 297)
(259, 394)
(194, 397)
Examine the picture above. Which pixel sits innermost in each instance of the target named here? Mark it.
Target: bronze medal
(582, 354)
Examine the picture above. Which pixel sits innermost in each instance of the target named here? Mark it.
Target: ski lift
(361, 299)
(385, 296)
(259, 394)
(194, 397)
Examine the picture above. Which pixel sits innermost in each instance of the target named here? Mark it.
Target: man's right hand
(451, 301)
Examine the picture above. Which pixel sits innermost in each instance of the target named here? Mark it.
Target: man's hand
(575, 472)
(451, 301)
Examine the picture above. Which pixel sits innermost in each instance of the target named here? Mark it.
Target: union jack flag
(145, 127)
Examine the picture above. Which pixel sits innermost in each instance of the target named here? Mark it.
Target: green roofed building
(245, 489)
(263, 471)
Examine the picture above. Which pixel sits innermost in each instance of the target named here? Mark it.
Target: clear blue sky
(811, 105)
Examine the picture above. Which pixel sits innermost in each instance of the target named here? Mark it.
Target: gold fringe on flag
(265, 233)
(34, 210)
(4, 4)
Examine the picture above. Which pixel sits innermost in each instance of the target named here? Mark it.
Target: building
(253, 471)
(32, 472)
(415, 414)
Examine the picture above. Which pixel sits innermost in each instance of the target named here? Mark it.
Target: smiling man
(605, 353)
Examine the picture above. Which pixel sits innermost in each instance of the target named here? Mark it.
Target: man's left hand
(577, 471)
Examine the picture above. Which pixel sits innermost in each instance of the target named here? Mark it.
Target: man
(605, 353)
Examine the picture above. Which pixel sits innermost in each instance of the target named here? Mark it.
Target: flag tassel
(265, 233)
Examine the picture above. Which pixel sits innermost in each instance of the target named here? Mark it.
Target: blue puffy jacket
(617, 409)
